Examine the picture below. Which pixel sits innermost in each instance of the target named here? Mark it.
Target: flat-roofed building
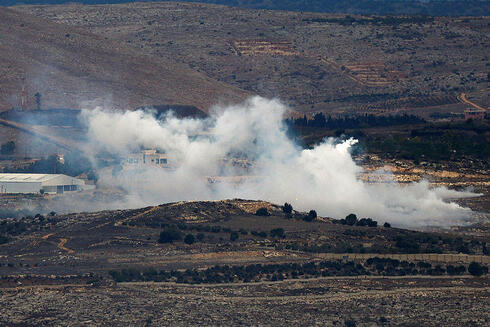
(45, 183)
(146, 158)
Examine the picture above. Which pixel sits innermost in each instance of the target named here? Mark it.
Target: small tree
(189, 239)
(287, 208)
(311, 216)
(277, 232)
(262, 212)
(170, 234)
(234, 236)
(351, 219)
(476, 269)
(387, 225)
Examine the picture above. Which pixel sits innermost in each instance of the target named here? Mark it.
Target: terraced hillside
(315, 62)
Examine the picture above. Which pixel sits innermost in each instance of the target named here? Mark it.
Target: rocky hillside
(74, 68)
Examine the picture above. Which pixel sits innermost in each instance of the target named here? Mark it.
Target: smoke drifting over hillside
(324, 178)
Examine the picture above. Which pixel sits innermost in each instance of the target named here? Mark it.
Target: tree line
(280, 271)
(319, 120)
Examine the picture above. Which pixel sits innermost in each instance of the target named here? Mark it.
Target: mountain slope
(376, 7)
(73, 68)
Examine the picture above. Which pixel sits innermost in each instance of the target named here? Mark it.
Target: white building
(146, 158)
(34, 183)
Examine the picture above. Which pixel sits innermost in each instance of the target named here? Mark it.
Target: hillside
(315, 62)
(377, 7)
(73, 68)
(135, 267)
(225, 232)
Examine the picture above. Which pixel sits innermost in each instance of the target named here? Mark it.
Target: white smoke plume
(324, 178)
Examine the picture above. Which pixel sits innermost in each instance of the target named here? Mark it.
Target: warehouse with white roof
(44, 183)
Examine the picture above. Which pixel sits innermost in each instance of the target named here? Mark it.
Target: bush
(262, 212)
(189, 239)
(387, 225)
(476, 269)
(367, 222)
(170, 234)
(277, 232)
(350, 323)
(351, 219)
(234, 236)
(311, 216)
(287, 208)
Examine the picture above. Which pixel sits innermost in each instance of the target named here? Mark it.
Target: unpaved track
(61, 245)
(463, 98)
(119, 223)
(42, 135)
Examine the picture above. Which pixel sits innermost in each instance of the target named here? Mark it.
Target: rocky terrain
(321, 302)
(98, 268)
(314, 62)
(73, 68)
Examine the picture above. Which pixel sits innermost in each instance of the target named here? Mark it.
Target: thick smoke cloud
(324, 178)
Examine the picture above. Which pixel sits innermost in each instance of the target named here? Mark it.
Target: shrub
(262, 234)
(350, 323)
(262, 212)
(387, 225)
(234, 236)
(476, 269)
(287, 208)
(170, 234)
(351, 219)
(189, 239)
(311, 216)
(367, 222)
(277, 232)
